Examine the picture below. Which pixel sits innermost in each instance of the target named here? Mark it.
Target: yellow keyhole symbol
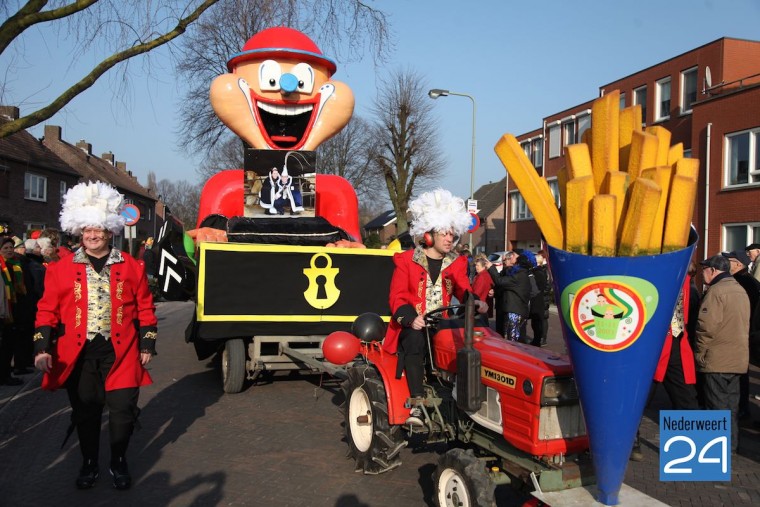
(324, 279)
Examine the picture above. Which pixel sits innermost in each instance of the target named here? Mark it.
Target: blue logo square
(695, 445)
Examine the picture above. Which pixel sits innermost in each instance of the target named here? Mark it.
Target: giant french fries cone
(605, 136)
(580, 192)
(661, 176)
(630, 122)
(534, 189)
(615, 313)
(643, 154)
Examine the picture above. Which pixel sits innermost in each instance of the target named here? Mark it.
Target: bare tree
(349, 154)
(407, 152)
(182, 199)
(122, 29)
(227, 154)
(344, 29)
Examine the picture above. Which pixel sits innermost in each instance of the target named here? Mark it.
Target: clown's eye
(305, 75)
(269, 76)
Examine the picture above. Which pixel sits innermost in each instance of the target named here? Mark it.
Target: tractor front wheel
(372, 442)
(461, 480)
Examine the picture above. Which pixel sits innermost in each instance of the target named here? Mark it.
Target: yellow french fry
(580, 191)
(643, 154)
(534, 189)
(616, 183)
(688, 167)
(604, 230)
(683, 194)
(586, 137)
(630, 122)
(663, 145)
(578, 160)
(605, 116)
(675, 154)
(643, 201)
(661, 176)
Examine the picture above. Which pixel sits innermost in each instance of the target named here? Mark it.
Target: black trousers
(8, 333)
(411, 358)
(88, 397)
(722, 393)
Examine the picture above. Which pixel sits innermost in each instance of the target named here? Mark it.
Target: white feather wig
(92, 204)
(438, 210)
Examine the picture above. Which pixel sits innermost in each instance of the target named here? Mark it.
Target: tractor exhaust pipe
(468, 363)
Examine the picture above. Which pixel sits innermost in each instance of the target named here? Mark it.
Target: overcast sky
(521, 61)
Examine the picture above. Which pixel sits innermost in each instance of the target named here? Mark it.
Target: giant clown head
(279, 95)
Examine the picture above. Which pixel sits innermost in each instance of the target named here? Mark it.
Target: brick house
(32, 181)
(709, 99)
(490, 235)
(384, 225)
(105, 168)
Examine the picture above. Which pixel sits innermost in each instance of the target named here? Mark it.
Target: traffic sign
(475, 224)
(131, 214)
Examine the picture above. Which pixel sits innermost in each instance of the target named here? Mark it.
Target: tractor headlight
(559, 391)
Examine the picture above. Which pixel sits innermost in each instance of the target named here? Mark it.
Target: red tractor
(511, 410)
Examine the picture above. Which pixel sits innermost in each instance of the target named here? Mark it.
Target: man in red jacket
(86, 339)
(424, 279)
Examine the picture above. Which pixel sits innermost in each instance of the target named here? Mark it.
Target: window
(520, 210)
(584, 122)
(738, 236)
(533, 149)
(568, 129)
(33, 226)
(35, 187)
(622, 100)
(742, 158)
(554, 141)
(640, 97)
(538, 152)
(554, 187)
(63, 188)
(688, 89)
(662, 100)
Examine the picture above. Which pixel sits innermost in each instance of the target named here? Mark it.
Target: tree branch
(43, 114)
(30, 15)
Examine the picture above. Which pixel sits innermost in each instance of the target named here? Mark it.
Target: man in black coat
(739, 264)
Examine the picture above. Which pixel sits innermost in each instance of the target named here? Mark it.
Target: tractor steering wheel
(435, 316)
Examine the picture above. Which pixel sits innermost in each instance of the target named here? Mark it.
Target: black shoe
(120, 472)
(12, 381)
(88, 474)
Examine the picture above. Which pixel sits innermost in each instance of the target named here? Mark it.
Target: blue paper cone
(615, 312)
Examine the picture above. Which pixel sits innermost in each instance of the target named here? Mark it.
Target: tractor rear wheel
(461, 480)
(233, 365)
(372, 442)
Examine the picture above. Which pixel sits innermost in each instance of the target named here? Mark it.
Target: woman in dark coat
(515, 287)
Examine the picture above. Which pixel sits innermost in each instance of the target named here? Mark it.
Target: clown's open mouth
(285, 125)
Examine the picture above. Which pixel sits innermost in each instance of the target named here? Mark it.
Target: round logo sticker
(608, 315)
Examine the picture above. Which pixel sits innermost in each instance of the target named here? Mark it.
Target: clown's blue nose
(288, 83)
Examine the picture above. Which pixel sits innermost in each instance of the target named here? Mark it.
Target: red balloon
(340, 347)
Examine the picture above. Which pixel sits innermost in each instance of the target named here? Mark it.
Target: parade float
(276, 288)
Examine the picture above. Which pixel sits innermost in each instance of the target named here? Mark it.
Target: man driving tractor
(424, 279)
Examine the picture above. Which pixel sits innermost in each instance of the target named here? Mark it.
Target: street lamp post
(434, 94)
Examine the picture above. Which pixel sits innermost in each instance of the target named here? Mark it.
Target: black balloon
(368, 327)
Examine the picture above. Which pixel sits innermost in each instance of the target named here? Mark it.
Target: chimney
(9, 112)
(85, 146)
(122, 166)
(109, 157)
(52, 133)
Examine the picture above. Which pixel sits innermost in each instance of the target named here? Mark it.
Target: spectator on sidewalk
(722, 346)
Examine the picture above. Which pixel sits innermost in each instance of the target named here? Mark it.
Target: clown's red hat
(281, 42)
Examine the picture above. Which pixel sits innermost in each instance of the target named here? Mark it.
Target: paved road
(278, 443)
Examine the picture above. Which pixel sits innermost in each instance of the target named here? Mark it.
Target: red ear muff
(427, 239)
